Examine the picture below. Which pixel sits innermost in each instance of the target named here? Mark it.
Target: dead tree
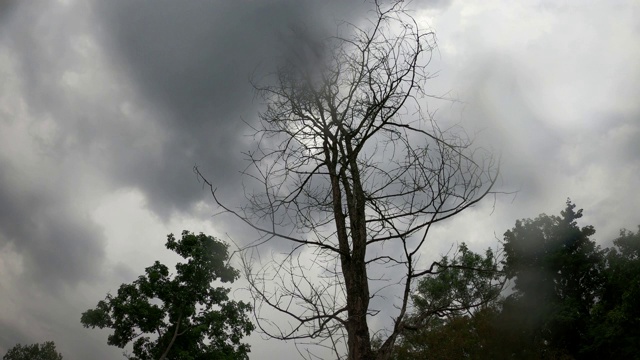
(353, 174)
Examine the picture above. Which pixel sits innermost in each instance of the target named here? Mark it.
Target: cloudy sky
(106, 106)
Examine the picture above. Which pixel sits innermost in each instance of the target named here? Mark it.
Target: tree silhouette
(45, 351)
(188, 317)
(353, 174)
(558, 273)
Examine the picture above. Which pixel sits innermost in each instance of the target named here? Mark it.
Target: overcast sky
(106, 106)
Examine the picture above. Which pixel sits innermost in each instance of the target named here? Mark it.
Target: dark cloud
(189, 66)
(10, 336)
(59, 245)
(165, 86)
(39, 181)
(192, 62)
(6, 8)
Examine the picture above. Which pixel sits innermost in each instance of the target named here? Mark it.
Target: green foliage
(455, 337)
(558, 274)
(571, 299)
(615, 326)
(467, 281)
(181, 316)
(444, 324)
(45, 351)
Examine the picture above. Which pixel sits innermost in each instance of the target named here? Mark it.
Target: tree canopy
(179, 316)
(458, 286)
(44, 351)
(558, 274)
(615, 325)
(570, 299)
(451, 307)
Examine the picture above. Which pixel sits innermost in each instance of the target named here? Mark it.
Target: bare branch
(345, 162)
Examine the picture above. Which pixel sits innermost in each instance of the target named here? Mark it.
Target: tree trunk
(353, 248)
(359, 343)
(173, 338)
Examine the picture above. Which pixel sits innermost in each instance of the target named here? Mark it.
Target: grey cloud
(433, 4)
(39, 214)
(189, 64)
(589, 162)
(45, 222)
(192, 62)
(186, 83)
(501, 116)
(9, 336)
(6, 8)
(59, 245)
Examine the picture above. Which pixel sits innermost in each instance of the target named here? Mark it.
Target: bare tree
(353, 175)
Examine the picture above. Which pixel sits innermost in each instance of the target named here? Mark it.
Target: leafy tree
(571, 299)
(352, 172)
(181, 316)
(453, 308)
(558, 273)
(472, 336)
(615, 326)
(45, 351)
(459, 285)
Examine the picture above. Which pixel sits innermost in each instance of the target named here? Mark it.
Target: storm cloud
(106, 106)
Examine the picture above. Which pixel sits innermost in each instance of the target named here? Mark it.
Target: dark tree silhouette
(45, 351)
(353, 174)
(571, 300)
(181, 316)
(615, 324)
(454, 308)
(558, 273)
